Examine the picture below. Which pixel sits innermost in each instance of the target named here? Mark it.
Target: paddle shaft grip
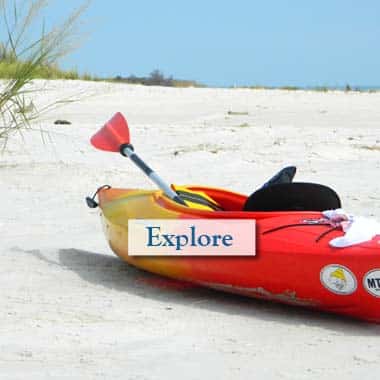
(127, 150)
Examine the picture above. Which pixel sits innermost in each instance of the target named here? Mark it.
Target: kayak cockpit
(231, 203)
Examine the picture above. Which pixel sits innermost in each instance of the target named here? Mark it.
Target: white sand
(70, 309)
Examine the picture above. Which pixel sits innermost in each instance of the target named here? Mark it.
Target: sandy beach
(70, 309)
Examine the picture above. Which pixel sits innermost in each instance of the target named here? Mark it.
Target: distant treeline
(10, 67)
(157, 78)
(346, 88)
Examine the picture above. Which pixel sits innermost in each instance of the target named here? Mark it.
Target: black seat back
(295, 196)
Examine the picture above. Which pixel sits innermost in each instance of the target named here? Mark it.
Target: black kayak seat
(285, 175)
(294, 196)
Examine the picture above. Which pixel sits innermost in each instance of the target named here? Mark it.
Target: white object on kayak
(357, 229)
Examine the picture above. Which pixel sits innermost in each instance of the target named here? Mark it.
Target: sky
(235, 42)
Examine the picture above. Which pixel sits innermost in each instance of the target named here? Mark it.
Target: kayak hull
(290, 265)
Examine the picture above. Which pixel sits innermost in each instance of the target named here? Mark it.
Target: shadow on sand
(112, 273)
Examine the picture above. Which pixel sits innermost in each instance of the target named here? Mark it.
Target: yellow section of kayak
(118, 206)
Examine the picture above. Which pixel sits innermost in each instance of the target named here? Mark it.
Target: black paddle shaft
(127, 150)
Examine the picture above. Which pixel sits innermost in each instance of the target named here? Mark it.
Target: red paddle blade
(114, 133)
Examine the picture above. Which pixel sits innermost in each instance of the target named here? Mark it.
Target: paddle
(114, 137)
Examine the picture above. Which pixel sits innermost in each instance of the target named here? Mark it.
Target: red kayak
(294, 263)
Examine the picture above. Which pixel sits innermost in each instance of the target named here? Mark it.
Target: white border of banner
(191, 237)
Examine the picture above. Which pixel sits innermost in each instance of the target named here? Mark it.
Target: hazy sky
(267, 42)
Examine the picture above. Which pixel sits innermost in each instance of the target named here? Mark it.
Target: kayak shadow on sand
(111, 272)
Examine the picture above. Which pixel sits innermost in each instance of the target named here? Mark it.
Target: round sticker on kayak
(371, 282)
(338, 279)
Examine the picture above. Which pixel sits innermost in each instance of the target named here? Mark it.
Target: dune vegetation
(25, 56)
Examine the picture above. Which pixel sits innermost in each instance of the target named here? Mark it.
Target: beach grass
(290, 88)
(244, 125)
(10, 70)
(237, 113)
(370, 147)
(347, 88)
(24, 58)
